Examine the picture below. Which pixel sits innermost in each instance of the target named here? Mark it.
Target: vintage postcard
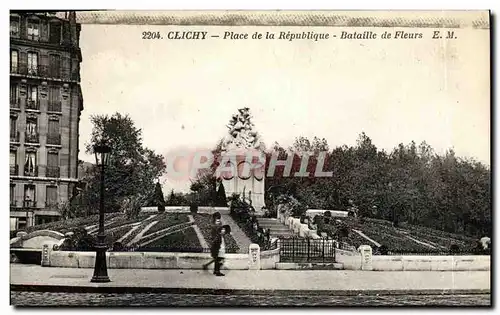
(250, 158)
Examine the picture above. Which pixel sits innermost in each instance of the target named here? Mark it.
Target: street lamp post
(102, 153)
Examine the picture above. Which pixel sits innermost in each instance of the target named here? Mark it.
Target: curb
(203, 291)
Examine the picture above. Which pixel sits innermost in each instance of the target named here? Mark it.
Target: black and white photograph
(250, 158)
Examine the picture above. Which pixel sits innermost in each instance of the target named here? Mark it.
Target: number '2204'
(151, 35)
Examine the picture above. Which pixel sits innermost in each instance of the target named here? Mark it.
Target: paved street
(262, 280)
(165, 299)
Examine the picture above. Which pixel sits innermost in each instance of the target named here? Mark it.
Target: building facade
(45, 106)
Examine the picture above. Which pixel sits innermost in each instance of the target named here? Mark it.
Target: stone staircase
(276, 227)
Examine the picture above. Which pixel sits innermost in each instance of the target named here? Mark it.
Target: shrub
(193, 208)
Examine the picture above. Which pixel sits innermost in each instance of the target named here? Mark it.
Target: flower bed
(167, 220)
(64, 226)
(204, 222)
(182, 241)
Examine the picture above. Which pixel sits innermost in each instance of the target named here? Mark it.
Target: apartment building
(45, 106)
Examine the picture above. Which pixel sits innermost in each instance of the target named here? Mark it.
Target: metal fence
(307, 250)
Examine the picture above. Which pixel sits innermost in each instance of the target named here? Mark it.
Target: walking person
(219, 249)
(216, 225)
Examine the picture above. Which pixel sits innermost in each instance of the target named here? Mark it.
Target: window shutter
(23, 57)
(52, 159)
(53, 127)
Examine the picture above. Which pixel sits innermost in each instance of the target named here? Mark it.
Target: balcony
(45, 71)
(14, 136)
(31, 171)
(13, 203)
(51, 205)
(54, 139)
(33, 104)
(52, 171)
(32, 138)
(29, 204)
(54, 106)
(14, 102)
(14, 170)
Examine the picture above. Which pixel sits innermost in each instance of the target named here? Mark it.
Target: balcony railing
(29, 203)
(13, 203)
(32, 104)
(51, 205)
(14, 102)
(14, 170)
(31, 172)
(52, 171)
(54, 106)
(32, 138)
(45, 71)
(54, 139)
(14, 136)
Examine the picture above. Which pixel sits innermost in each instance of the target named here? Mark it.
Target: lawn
(182, 241)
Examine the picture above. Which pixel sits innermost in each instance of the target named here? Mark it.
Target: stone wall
(152, 260)
(415, 263)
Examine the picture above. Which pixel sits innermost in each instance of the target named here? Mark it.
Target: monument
(245, 159)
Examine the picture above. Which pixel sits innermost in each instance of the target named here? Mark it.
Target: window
(52, 164)
(31, 130)
(32, 63)
(14, 26)
(53, 127)
(53, 135)
(54, 102)
(13, 162)
(13, 95)
(55, 32)
(51, 196)
(12, 194)
(33, 29)
(14, 61)
(30, 164)
(32, 101)
(13, 157)
(32, 93)
(55, 65)
(13, 129)
(29, 195)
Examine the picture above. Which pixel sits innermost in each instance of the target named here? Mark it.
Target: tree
(221, 196)
(158, 199)
(132, 167)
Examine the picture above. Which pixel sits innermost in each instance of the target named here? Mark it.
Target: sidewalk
(342, 282)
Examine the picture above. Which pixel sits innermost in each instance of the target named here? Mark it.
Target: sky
(182, 93)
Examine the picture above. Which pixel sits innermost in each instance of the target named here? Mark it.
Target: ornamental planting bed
(183, 241)
(166, 221)
(204, 222)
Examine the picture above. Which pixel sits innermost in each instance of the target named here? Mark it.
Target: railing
(31, 172)
(54, 139)
(32, 104)
(13, 203)
(54, 106)
(51, 205)
(45, 71)
(29, 204)
(14, 136)
(32, 138)
(14, 170)
(15, 102)
(307, 250)
(52, 171)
